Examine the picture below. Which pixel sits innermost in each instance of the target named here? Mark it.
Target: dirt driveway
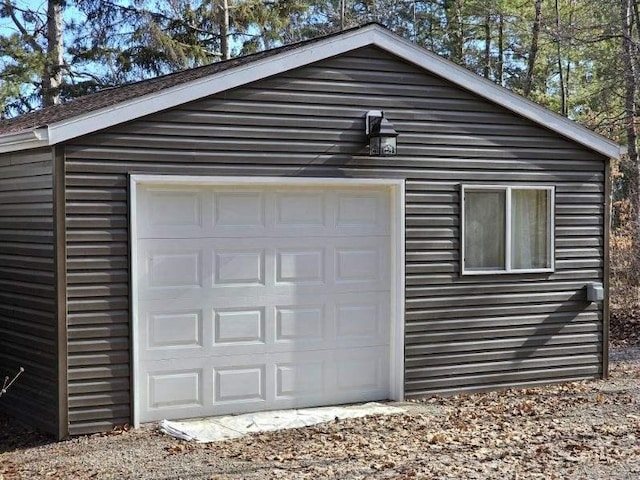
(584, 430)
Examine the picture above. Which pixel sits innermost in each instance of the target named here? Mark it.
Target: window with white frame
(507, 229)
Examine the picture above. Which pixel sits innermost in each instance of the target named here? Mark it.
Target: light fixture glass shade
(382, 146)
(382, 138)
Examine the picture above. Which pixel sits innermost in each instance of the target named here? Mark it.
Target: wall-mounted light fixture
(382, 136)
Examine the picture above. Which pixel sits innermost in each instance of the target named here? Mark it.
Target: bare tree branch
(8, 5)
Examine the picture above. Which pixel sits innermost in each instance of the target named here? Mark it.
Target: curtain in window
(529, 229)
(484, 230)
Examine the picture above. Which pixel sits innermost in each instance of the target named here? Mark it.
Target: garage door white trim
(397, 254)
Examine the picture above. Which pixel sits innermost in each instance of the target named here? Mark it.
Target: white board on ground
(215, 429)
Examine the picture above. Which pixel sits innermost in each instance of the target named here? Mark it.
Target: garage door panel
(303, 208)
(190, 212)
(261, 298)
(170, 269)
(301, 265)
(239, 384)
(361, 265)
(175, 388)
(177, 334)
(173, 212)
(238, 210)
(240, 325)
(238, 267)
(320, 377)
(362, 213)
(303, 378)
(176, 268)
(362, 369)
(196, 328)
(362, 320)
(300, 322)
(177, 329)
(256, 382)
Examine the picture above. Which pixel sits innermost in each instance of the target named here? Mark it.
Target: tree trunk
(569, 51)
(626, 12)
(224, 31)
(629, 79)
(563, 93)
(343, 11)
(487, 46)
(533, 52)
(456, 31)
(500, 62)
(52, 74)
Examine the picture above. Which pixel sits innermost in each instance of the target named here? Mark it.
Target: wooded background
(580, 58)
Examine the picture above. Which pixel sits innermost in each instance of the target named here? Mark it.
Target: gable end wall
(462, 334)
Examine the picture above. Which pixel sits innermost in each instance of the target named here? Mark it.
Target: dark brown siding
(462, 334)
(27, 294)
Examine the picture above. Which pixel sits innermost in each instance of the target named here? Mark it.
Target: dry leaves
(625, 326)
(556, 431)
(569, 431)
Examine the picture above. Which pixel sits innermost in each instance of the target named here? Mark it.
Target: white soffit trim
(13, 142)
(316, 51)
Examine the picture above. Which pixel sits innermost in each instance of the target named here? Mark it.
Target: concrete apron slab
(215, 429)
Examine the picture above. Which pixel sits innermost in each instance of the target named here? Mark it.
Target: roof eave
(25, 140)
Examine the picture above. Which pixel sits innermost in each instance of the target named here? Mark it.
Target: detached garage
(346, 219)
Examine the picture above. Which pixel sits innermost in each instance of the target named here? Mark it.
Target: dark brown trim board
(60, 265)
(130, 239)
(606, 272)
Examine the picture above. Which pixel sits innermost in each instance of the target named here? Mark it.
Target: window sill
(506, 272)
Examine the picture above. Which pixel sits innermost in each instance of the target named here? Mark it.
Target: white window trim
(551, 192)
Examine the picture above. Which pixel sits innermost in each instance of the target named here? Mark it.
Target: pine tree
(32, 63)
(50, 56)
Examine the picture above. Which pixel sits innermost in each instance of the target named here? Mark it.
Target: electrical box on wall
(595, 292)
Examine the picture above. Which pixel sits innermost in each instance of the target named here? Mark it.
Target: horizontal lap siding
(461, 333)
(97, 292)
(476, 333)
(27, 295)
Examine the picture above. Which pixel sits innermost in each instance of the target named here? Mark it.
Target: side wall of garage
(28, 330)
(462, 333)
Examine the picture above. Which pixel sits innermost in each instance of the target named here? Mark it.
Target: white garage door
(258, 298)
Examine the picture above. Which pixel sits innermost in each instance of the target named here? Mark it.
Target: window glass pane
(484, 225)
(529, 229)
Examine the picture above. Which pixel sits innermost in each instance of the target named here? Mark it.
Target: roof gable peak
(129, 102)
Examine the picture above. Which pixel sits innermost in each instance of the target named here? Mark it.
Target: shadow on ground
(14, 436)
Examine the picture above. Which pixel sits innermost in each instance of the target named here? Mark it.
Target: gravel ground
(582, 430)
